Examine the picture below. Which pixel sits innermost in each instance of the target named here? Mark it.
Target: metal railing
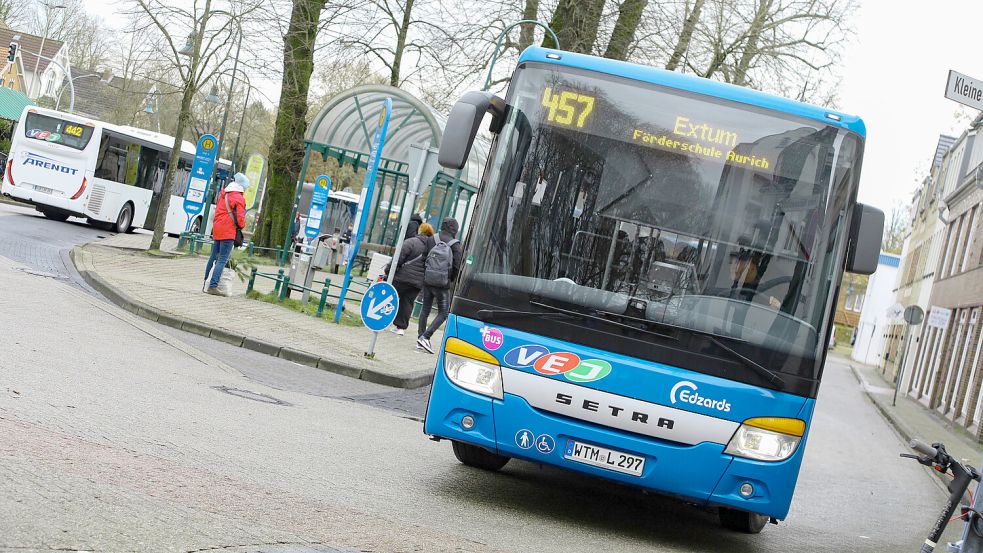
(283, 286)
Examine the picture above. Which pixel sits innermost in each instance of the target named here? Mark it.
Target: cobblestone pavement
(174, 287)
(42, 244)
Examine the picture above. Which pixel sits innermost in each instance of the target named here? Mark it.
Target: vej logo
(686, 392)
(47, 163)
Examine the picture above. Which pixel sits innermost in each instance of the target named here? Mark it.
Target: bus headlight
(767, 438)
(471, 374)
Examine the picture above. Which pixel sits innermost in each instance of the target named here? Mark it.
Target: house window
(50, 87)
(854, 302)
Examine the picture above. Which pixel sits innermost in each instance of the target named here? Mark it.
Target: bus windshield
(58, 131)
(662, 224)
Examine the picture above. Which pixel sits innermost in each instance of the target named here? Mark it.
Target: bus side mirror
(866, 231)
(462, 126)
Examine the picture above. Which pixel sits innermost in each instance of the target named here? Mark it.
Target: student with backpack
(441, 269)
(408, 279)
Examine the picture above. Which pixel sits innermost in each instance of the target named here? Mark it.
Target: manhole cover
(255, 396)
(44, 274)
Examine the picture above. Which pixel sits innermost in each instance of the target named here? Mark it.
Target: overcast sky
(893, 75)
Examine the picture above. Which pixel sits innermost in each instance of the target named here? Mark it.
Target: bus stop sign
(319, 199)
(379, 306)
(201, 173)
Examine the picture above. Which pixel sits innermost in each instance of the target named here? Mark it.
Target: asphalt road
(117, 434)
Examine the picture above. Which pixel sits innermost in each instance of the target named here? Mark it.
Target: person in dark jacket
(449, 228)
(412, 229)
(408, 279)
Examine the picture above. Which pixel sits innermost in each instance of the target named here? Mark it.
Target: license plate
(604, 458)
(43, 190)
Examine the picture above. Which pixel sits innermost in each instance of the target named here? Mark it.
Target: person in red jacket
(230, 203)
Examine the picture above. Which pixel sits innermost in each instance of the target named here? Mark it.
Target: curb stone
(227, 337)
(342, 369)
(195, 328)
(261, 346)
(78, 256)
(298, 356)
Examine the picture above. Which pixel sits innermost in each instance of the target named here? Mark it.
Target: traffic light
(12, 52)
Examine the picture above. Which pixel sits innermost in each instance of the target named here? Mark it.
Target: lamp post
(150, 109)
(225, 119)
(501, 36)
(37, 62)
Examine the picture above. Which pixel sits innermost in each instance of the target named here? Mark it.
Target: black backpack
(440, 261)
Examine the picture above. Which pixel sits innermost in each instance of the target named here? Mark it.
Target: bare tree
(16, 13)
(88, 43)
(896, 228)
(530, 11)
(623, 36)
(691, 17)
(211, 37)
(576, 24)
(287, 149)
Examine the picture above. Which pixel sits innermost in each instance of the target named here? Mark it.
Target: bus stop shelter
(343, 130)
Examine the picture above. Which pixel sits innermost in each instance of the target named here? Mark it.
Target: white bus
(65, 165)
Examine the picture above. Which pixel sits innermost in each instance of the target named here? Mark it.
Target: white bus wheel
(125, 219)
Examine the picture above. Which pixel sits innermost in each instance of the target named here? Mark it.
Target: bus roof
(695, 84)
(156, 138)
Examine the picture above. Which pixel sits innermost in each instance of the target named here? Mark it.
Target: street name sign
(964, 89)
(379, 306)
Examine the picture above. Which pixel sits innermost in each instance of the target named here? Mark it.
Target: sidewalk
(910, 418)
(168, 290)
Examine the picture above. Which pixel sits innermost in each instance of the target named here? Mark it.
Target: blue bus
(649, 281)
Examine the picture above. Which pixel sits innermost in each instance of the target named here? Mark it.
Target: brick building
(919, 257)
(947, 375)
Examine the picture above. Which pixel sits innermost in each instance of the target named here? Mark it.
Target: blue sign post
(379, 306)
(375, 156)
(319, 199)
(201, 173)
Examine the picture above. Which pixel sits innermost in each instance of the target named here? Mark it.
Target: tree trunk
(400, 44)
(751, 46)
(190, 86)
(575, 23)
(526, 33)
(682, 44)
(287, 149)
(629, 16)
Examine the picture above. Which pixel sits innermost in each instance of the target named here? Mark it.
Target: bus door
(153, 169)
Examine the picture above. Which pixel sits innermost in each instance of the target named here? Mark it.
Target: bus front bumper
(700, 473)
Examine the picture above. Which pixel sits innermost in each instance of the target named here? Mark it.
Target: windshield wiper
(581, 315)
(770, 375)
(510, 314)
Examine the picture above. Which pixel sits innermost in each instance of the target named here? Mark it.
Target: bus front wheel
(125, 219)
(478, 457)
(742, 521)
